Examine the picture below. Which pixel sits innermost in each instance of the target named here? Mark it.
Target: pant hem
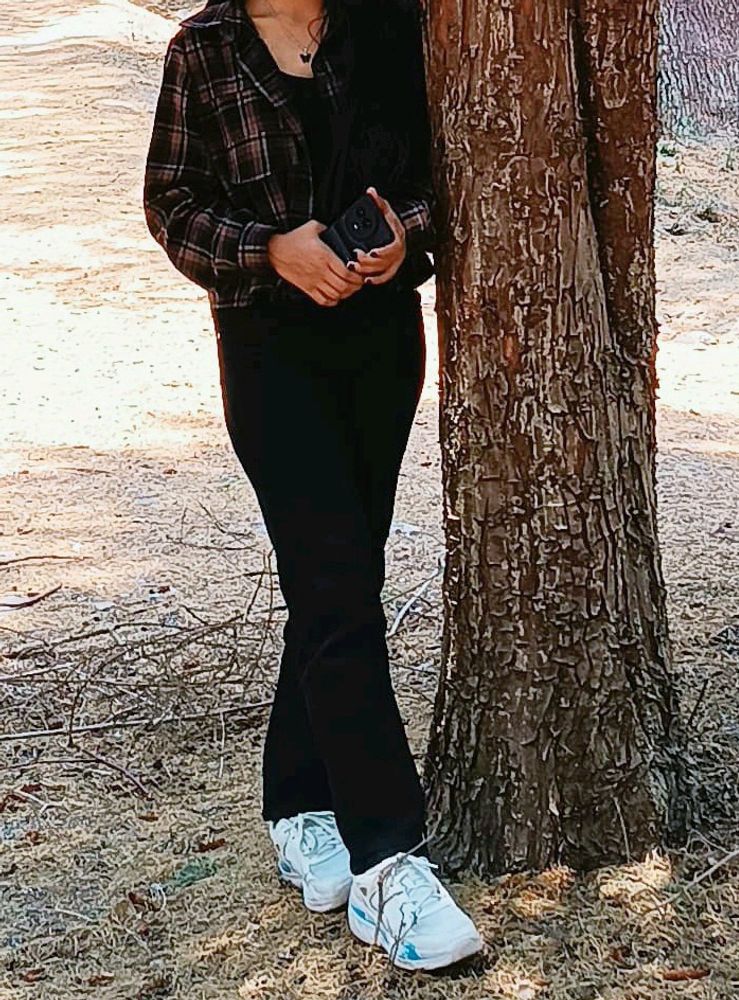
(274, 814)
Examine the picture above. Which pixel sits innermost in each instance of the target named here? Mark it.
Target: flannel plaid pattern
(228, 164)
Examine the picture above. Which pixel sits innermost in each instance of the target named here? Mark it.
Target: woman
(273, 117)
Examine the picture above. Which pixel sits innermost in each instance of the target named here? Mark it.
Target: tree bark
(555, 735)
(699, 67)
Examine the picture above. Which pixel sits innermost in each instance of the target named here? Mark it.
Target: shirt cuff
(253, 254)
(418, 225)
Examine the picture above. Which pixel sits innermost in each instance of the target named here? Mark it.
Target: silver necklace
(305, 50)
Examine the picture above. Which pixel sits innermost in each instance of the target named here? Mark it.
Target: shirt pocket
(248, 158)
(247, 139)
(253, 160)
(237, 145)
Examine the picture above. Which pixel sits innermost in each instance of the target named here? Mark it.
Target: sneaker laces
(317, 836)
(414, 876)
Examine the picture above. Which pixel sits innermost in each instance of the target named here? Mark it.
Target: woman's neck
(297, 11)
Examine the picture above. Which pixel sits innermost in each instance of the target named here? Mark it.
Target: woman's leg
(294, 778)
(384, 394)
(385, 398)
(294, 433)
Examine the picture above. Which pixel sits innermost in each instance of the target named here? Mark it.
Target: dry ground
(133, 863)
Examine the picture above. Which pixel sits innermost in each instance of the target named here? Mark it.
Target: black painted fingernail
(352, 266)
(374, 253)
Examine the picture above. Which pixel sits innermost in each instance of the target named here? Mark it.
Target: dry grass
(119, 897)
(133, 862)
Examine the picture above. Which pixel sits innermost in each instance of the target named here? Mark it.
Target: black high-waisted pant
(319, 403)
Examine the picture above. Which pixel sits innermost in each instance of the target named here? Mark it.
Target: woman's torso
(306, 102)
(258, 123)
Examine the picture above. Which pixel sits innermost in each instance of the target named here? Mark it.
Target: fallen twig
(29, 675)
(684, 890)
(725, 860)
(27, 602)
(20, 559)
(411, 601)
(698, 702)
(97, 727)
(119, 768)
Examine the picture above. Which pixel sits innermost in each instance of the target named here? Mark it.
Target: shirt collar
(251, 52)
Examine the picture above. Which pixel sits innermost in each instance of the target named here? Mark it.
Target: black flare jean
(319, 403)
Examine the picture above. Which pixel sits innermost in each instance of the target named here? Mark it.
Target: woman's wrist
(273, 248)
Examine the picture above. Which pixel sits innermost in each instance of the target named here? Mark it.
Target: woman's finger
(326, 296)
(335, 284)
(338, 268)
(339, 275)
(378, 276)
(390, 250)
(391, 216)
(382, 203)
(335, 266)
(386, 275)
(367, 264)
(338, 289)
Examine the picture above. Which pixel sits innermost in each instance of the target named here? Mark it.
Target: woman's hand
(304, 260)
(382, 264)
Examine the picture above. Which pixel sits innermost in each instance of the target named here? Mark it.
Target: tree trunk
(699, 67)
(555, 728)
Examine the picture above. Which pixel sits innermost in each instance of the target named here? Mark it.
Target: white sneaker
(311, 855)
(402, 906)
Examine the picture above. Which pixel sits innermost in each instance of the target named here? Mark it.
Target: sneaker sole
(465, 948)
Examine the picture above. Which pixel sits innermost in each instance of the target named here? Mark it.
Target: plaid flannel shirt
(228, 165)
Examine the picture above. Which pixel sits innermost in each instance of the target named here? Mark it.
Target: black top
(338, 177)
(307, 104)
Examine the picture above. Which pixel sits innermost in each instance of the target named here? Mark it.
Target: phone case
(361, 225)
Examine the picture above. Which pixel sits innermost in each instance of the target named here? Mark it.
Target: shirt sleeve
(416, 204)
(204, 237)
(415, 214)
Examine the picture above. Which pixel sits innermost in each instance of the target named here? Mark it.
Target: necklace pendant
(305, 56)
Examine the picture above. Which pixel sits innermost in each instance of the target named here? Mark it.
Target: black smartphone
(362, 225)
